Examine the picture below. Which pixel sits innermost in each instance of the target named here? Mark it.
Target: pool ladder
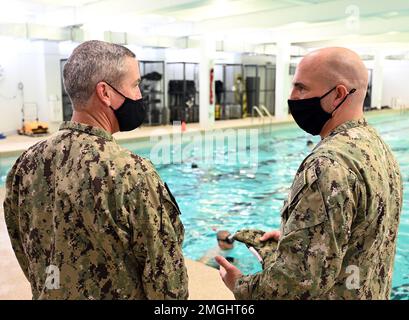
(403, 108)
(261, 115)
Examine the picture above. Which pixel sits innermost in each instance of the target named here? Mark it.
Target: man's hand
(228, 272)
(271, 235)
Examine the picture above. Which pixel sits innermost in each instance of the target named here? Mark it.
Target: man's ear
(103, 93)
(341, 92)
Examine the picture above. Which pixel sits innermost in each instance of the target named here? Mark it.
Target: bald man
(340, 221)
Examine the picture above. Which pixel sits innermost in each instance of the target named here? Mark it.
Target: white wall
(52, 110)
(23, 62)
(157, 54)
(395, 81)
(36, 65)
(257, 59)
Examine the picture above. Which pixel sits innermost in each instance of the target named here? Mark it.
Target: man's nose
(138, 93)
(294, 95)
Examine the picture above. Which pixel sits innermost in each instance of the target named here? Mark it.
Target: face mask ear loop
(116, 92)
(350, 92)
(327, 93)
(114, 89)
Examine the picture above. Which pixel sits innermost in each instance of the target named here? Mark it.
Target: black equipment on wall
(182, 101)
(229, 88)
(152, 89)
(219, 88)
(183, 95)
(252, 92)
(260, 87)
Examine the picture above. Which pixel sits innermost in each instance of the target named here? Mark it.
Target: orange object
(211, 85)
(34, 128)
(183, 126)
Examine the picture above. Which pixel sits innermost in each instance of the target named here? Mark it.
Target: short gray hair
(91, 62)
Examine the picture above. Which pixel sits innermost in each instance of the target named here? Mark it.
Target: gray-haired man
(87, 218)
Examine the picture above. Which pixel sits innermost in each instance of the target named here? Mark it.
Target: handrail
(403, 108)
(258, 111)
(266, 111)
(268, 114)
(262, 117)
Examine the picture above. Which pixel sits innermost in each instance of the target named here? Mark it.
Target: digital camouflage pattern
(98, 214)
(339, 225)
(251, 238)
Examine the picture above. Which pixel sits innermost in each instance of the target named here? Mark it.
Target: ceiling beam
(339, 29)
(37, 32)
(311, 13)
(386, 40)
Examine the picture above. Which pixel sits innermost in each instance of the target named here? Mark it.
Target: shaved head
(333, 66)
(338, 65)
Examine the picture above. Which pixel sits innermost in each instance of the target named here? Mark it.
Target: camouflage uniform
(99, 215)
(266, 249)
(339, 224)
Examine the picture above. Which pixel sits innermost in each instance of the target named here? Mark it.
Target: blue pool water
(234, 196)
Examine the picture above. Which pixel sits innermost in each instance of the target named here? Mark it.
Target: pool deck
(15, 144)
(204, 281)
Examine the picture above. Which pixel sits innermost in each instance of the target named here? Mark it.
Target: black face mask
(309, 114)
(130, 114)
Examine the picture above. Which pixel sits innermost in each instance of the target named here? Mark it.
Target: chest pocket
(304, 207)
(298, 187)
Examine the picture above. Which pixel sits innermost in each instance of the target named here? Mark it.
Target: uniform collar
(342, 128)
(76, 126)
(349, 125)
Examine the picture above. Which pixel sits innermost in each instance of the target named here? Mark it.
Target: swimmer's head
(224, 240)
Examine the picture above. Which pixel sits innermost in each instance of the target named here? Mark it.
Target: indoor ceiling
(309, 23)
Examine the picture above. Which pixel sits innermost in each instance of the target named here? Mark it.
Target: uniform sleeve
(11, 215)
(158, 236)
(314, 237)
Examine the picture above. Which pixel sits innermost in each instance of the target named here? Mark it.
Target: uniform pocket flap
(308, 212)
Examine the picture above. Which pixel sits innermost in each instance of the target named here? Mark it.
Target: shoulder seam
(337, 162)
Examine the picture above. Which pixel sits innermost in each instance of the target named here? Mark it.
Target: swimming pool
(234, 196)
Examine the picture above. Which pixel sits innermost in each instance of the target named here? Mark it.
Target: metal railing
(403, 108)
(267, 113)
(260, 114)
